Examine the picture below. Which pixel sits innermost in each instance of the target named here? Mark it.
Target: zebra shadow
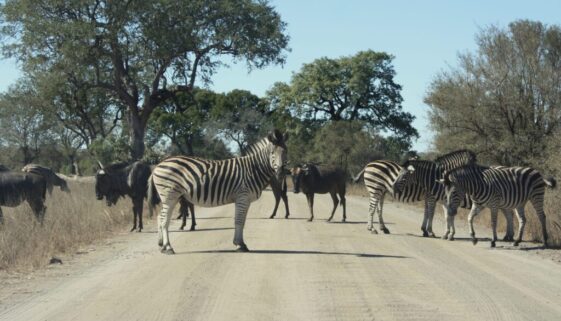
(187, 230)
(296, 252)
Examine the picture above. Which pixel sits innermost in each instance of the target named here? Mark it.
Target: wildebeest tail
(357, 178)
(153, 198)
(550, 182)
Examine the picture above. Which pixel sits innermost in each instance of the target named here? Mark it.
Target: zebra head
(277, 157)
(404, 178)
(454, 194)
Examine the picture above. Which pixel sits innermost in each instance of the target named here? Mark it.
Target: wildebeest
(49, 175)
(18, 187)
(123, 179)
(185, 209)
(279, 191)
(311, 179)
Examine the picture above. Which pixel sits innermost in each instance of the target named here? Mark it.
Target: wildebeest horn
(100, 165)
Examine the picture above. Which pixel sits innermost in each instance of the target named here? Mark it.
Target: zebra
(428, 175)
(211, 183)
(497, 188)
(379, 177)
(49, 175)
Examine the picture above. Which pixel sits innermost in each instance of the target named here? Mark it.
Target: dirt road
(296, 271)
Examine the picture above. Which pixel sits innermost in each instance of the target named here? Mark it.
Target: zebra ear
(271, 137)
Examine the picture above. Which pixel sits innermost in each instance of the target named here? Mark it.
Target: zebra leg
(494, 214)
(472, 214)
(380, 218)
(310, 198)
(163, 224)
(335, 203)
(242, 206)
(450, 221)
(521, 223)
(430, 215)
(183, 212)
(538, 206)
(425, 219)
(371, 211)
(447, 218)
(509, 236)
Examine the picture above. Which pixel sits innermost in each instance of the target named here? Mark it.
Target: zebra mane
(456, 158)
(464, 168)
(275, 137)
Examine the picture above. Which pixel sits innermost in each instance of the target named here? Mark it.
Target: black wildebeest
(311, 179)
(49, 175)
(123, 179)
(18, 187)
(279, 191)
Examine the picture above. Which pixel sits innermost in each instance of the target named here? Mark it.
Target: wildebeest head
(103, 186)
(278, 157)
(298, 173)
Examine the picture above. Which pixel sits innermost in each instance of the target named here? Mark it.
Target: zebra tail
(357, 178)
(153, 198)
(550, 182)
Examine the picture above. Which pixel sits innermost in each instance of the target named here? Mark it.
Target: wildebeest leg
(137, 214)
(38, 208)
(193, 222)
(475, 209)
(276, 193)
(521, 223)
(509, 235)
(1, 216)
(344, 204)
(285, 200)
(335, 203)
(494, 214)
(383, 227)
(310, 198)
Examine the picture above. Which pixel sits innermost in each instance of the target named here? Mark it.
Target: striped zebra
(428, 175)
(379, 177)
(498, 188)
(49, 175)
(211, 183)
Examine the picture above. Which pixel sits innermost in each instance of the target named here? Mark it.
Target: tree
(240, 117)
(359, 87)
(503, 100)
(22, 121)
(133, 49)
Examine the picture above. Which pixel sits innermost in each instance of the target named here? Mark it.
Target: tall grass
(72, 220)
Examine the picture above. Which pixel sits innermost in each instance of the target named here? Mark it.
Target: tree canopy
(503, 100)
(142, 53)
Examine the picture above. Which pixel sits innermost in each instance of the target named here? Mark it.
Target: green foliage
(110, 149)
(132, 49)
(359, 87)
(503, 101)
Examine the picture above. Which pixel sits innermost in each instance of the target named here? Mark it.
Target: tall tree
(359, 87)
(142, 52)
(504, 100)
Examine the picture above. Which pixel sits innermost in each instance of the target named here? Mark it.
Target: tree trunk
(137, 130)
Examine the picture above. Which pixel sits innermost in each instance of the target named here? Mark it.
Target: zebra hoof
(139, 230)
(493, 244)
(373, 231)
(431, 234)
(192, 228)
(160, 243)
(272, 216)
(167, 250)
(451, 238)
(286, 217)
(474, 241)
(385, 230)
(242, 248)
(515, 243)
(182, 228)
(132, 229)
(344, 220)
(425, 234)
(310, 219)
(445, 236)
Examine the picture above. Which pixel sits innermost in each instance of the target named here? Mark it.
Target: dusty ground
(296, 271)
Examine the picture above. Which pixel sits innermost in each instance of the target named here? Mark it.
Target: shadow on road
(300, 252)
(197, 230)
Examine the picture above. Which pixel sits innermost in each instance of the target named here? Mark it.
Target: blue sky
(424, 36)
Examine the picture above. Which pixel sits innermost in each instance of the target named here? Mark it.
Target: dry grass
(71, 221)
